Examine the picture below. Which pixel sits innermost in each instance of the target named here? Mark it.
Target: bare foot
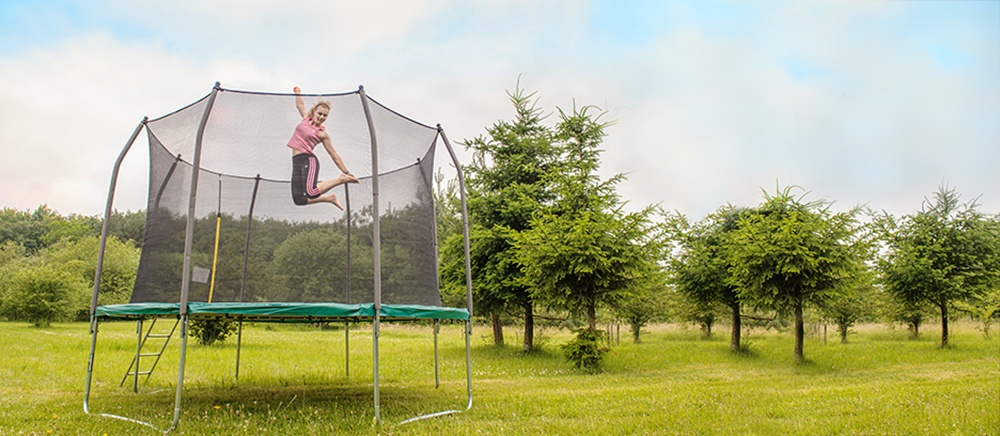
(328, 198)
(348, 178)
(333, 200)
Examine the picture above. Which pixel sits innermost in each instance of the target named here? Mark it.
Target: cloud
(66, 111)
(856, 101)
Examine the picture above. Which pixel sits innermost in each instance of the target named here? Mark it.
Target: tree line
(550, 238)
(48, 263)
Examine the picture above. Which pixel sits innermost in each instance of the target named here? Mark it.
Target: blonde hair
(324, 103)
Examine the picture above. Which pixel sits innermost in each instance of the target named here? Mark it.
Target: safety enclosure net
(251, 243)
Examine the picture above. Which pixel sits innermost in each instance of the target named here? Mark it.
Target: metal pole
(468, 264)
(468, 290)
(239, 345)
(243, 280)
(163, 184)
(90, 364)
(347, 349)
(246, 248)
(437, 376)
(107, 214)
(100, 260)
(376, 247)
(347, 208)
(215, 253)
(347, 324)
(465, 219)
(138, 353)
(188, 242)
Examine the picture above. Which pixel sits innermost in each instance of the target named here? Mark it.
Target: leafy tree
(72, 228)
(850, 306)
(79, 259)
(648, 303)
(983, 308)
(701, 271)
(584, 251)
(11, 251)
(506, 187)
(42, 294)
(128, 226)
(788, 254)
(943, 254)
(448, 209)
(26, 228)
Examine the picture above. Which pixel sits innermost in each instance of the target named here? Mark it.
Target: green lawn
(292, 381)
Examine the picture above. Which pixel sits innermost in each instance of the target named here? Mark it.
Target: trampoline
(224, 239)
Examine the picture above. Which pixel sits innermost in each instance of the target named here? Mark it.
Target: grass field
(292, 381)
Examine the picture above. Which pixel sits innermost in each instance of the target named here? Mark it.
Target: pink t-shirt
(305, 137)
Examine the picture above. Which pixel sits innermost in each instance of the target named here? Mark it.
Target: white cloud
(706, 116)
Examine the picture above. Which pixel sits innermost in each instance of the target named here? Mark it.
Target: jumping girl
(306, 188)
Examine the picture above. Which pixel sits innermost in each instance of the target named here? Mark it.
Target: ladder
(134, 369)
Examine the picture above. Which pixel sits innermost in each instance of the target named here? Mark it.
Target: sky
(874, 102)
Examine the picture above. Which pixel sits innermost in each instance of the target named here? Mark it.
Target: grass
(293, 381)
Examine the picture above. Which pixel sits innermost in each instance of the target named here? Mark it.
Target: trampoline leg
(180, 373)
(468, 359)
(239, 345)
(437, 376)
(375, 334)
(90, 364)
(138, 353)
(347, 349)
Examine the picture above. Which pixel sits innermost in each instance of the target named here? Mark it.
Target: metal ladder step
(133, 369)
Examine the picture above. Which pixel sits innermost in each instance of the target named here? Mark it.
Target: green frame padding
(281, 311)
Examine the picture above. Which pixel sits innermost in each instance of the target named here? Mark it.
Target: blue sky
(858, 102)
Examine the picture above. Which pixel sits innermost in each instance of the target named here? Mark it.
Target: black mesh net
(268, 249)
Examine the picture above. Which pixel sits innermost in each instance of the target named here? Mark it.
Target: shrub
(587, 351)
(41, 295)
(210, 331)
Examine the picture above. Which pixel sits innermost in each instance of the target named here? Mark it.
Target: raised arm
(299, 104)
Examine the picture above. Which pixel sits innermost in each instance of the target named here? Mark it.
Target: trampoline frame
(185, 310)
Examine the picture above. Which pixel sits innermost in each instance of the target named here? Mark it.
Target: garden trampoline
(224, 240)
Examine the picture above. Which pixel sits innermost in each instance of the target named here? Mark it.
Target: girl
(306, 188)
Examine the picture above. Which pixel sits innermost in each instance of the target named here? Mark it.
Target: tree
(983, 308)
(506, 187)
(944, 254)
(787, 254)
(42, 294)
(701, 271)
(128, 226)
(646, 304)
(26, 228)
(79, 259)
(584, 251)
(850, 306)
(11, 251)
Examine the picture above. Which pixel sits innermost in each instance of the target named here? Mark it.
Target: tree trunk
(800, 333)
(592, 316)
(843, 332)
(497, 330)
(944, 324)
(734, 342)
(529, 327)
